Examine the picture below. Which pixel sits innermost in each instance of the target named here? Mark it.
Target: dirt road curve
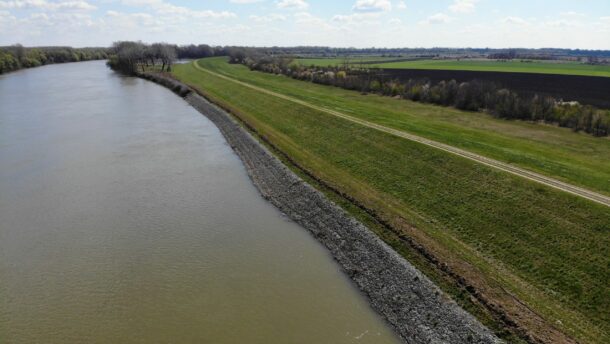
(578, 191)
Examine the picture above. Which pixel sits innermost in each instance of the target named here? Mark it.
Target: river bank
(417, 309)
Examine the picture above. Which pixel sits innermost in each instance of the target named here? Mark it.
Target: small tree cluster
(196, 51)
(131, 57)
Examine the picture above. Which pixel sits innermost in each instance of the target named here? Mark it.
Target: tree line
(524, 53)
(17, 56)
(471, 96)
(131, 57)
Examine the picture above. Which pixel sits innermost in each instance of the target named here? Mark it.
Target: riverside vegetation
(17, 57)
(123, 56)
(518, 248)
(131, 58)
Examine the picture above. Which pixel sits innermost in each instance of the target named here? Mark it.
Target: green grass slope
(575, 158)
(550, 249)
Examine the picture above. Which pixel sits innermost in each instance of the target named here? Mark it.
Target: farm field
(548, 248)
(339, 61)
(575, 158)
(564, 68)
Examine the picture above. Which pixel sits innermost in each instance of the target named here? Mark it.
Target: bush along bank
(472, 96)
(18, 57)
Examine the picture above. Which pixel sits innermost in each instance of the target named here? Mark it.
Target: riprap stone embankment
(416, 308)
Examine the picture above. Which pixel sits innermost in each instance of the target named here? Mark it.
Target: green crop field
(548, 248)
(568, 68)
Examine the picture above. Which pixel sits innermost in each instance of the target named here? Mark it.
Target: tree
(167, 54)
(126, 56)
(19, 52)
(237, 55)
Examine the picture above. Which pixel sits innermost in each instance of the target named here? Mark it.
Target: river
(126, 218)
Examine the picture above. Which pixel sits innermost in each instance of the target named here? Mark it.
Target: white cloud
(559, 23)
(71, 22)
(22, 4)
(268, 18)
(401, 5)
(293, 4)
(355, 17)
(171, 9)
(75, 5)
(462, 6)
(6, 18)
(603, 25)
(47, 5)
(571, 20)
(571, 14)
(139, 16)
(141, 2)
(439, 18)
(372, 6)
(307, 18)
(165, 9)
(134, 24)
(514, 20)
(39, 16)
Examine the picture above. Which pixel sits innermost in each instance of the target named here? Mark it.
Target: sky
(583, 24)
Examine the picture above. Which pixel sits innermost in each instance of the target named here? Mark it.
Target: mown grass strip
(549, 249)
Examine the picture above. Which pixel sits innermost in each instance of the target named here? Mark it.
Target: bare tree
(166, 53)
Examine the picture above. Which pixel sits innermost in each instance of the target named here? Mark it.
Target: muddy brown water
(126, 218)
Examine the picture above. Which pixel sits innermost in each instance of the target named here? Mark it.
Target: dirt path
(575, 190)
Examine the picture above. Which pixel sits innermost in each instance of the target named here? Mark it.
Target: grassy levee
(506, 235)
(576, 158)
(566, 68)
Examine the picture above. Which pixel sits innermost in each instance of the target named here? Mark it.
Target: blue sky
(581, 24)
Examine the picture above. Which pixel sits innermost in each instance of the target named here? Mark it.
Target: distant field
(324, 62)
(548, 248)
(566, 68)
